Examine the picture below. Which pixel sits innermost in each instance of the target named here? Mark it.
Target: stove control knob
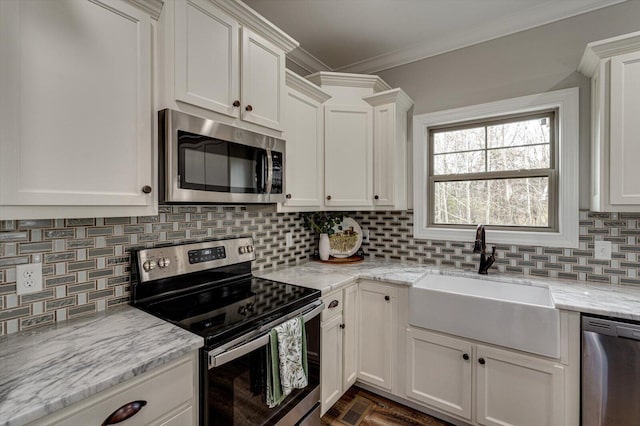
(243, 249)
(149, 265)
(250, 249)
(163, 262)
(242, 310)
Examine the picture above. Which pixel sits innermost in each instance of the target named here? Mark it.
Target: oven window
(235, 391)
(210, 164)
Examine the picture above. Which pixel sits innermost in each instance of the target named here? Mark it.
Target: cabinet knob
(236, 103)
(387, 298)
(465, 357)
(288, 196)
(342, 326)
(123, 413)
(328, 197)
(248, 108)
(481, 361)
(375, 197)
(146, 189)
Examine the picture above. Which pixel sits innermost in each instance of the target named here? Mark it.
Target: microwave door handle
(269, 182)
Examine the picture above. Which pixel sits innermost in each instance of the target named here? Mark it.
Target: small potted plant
(322, 223)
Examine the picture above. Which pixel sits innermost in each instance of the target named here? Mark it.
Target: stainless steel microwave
(203, 161)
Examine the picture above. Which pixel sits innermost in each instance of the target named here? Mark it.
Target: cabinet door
(348, 156)
(263, 82)
(439, 372)
(376, 329)
(304, 133)
(349, 365)
(207, 57)
(75, 110)
(331, 363)
(625, 128)
(515, 389)
(384, 155)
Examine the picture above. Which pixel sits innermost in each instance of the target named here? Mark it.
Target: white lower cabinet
(449, 374)
(338, 346)
(170, 394)
(377, 336)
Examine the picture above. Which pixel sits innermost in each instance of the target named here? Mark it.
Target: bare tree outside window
(500, 172)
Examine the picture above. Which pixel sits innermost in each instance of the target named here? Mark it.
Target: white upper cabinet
(390, 110)
(614, 68)
(303, 126)
(224, 62)
(76, 115)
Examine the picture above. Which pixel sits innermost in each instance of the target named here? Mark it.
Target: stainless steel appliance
(208, 288)
(610, 372)
(203, 161)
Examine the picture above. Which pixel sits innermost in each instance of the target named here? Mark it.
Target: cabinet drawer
(164, 391)
(333, 305)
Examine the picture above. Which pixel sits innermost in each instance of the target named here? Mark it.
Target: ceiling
(366, 36)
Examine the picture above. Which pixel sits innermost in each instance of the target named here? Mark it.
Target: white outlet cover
(289, 239)
(602, 250)
(29, 278)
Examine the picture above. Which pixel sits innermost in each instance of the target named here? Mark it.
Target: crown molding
(307, 61)
(305, 86)
(152, 7)
(397, 96)
(603, 49)
(326, 78)
(535, 17)
(253, 19)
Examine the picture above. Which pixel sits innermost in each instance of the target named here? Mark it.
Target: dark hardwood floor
(358, 407)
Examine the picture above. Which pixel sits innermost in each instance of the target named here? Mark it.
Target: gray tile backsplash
(391, 238)
(86, 262)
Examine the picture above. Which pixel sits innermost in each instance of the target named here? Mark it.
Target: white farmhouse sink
(515, 316)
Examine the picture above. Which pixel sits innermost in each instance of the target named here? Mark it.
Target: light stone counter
(600, 299)
(53, 367)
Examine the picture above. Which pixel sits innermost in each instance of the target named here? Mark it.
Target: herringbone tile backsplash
(86, 262)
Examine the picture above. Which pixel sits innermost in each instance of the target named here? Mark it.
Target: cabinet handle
(387, 298)
(342, 326)
(465, 357)
(288, 196)
(236, 103)
(123, 413)
(375, 197)
(248, 108)
(333, 304)
(481, 361)
(146, 189)
(328, 197)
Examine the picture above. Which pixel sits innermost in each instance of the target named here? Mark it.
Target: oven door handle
(252, 345)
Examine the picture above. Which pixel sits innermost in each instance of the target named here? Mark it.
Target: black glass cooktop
(220, 313)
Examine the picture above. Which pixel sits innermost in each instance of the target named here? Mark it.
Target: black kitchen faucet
(480, 246)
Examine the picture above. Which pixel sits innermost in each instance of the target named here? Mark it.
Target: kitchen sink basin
(515, 316)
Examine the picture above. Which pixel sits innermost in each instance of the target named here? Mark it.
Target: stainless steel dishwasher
(610, 372)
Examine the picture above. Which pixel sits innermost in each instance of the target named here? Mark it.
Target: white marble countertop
(50, 368)
(600, 299)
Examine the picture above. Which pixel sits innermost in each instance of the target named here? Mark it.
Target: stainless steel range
(208, 288)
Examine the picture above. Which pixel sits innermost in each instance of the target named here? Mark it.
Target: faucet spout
(480, 246)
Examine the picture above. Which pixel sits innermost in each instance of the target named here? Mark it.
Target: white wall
(533, 61)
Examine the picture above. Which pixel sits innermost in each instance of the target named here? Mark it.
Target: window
(511, 165)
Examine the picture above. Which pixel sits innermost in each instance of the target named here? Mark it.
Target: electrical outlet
(29, 278)
(365, 235)
(288, 239)
(602, 250)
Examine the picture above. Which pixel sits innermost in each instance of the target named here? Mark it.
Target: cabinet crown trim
(326, 78)
(603, 49)
(257, 23)
(305, 86)
(397, 96)
(152, 7)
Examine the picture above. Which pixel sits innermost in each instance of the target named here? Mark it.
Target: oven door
(233, 387)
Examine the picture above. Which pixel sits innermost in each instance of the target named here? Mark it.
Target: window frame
(550, 172)
(564, 233)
